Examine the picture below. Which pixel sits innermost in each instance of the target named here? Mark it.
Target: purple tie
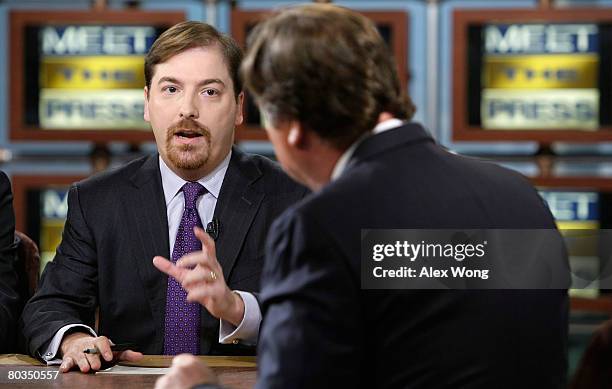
(183, 318)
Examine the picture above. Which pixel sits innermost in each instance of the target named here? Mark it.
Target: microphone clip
(213, 228)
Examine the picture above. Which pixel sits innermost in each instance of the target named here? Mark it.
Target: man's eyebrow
(211, 81)
(168, 79)
(207, 81)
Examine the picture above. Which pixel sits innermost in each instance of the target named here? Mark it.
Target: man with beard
(156, 206)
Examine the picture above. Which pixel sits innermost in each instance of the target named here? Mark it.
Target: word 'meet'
(97, 40)
(541, 38)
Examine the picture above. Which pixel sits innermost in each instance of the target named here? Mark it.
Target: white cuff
(51, 352)
(247, 331)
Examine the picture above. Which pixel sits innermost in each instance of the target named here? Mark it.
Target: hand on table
(72, 347)
(200, 274)
(186, 372)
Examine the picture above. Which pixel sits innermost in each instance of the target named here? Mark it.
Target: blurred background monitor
(41, 208)
(80, 74)
(585, 219)
(540, 75)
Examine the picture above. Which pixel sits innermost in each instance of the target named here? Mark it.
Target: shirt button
(235, 341)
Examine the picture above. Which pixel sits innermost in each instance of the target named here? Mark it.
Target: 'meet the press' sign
(92, 76)
(540, 76)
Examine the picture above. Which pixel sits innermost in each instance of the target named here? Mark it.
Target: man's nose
(189, 109)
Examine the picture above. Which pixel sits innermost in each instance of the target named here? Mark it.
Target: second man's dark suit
(117, 223)
(322, 330)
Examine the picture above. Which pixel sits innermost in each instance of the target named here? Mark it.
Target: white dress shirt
(248, 330)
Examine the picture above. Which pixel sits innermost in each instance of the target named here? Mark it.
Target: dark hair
(328, 68)
(187, 35)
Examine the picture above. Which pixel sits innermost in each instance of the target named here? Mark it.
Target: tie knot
(191, 191)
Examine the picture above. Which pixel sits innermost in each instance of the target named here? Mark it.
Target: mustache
(190, 125)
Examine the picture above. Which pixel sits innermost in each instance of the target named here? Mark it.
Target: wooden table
(233, 372)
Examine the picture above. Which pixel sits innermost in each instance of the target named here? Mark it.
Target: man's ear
(146, 104)
(239, 113)
(296, 136)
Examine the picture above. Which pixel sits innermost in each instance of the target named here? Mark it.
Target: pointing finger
(169, 268)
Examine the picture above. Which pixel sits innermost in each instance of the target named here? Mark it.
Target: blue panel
(224, 17)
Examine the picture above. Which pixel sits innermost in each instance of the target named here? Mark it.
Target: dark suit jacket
(9, 298)
(117, 223)
(321, 330)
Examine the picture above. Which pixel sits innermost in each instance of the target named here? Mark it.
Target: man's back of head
(328, 68)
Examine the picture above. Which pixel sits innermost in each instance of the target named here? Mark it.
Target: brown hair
(328, 68)
(187, 35)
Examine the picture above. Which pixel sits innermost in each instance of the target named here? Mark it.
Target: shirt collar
(172, 183)
(346, 156)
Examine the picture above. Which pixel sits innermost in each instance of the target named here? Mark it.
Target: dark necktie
(182, 318)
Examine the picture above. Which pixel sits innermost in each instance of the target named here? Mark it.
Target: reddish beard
(187, 156)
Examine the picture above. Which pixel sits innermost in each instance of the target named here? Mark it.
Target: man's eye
(170, 89)
(210, 92)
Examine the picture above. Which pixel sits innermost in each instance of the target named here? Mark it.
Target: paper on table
(131, 370)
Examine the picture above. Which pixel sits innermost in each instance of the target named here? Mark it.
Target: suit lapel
(149, 217)
(236, 207)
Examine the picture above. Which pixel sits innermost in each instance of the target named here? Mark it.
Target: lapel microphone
(213, 228)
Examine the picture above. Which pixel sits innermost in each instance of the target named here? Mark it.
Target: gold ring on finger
(213, 275)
